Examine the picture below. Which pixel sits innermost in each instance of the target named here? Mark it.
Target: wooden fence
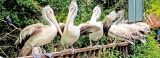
(90, 51)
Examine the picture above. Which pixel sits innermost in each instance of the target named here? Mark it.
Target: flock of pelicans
(38, 34)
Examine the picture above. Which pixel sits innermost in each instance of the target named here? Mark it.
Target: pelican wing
(88, 28)
(28, 31)
(106, 24)
(120, 31)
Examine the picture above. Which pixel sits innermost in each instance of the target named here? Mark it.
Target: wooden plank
(126, 47)
(88, 54)
(65, 56)
(43, 56)
(99, 53)
(92, 54)
(81, 50)
(82, 55)
(77, 55)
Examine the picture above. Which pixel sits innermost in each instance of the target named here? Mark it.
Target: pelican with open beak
(38, 34)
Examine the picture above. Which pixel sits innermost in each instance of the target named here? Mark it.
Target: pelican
(95, 16)
(134, 31)
(38, 34)
(37, 51)
(71, 32)
(144, 26)
(105, 24)
(107, 21)
(119, 32)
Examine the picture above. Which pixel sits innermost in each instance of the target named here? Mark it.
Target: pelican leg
(64, 47)
(35, 55)
(90, 42)
(73, 50)
(43, 51)
(99, 46)
(115, 41)
(48, 55)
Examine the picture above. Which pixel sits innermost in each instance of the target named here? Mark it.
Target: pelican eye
(50, 11)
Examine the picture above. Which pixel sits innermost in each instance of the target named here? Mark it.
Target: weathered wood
(82, 55)
(33, 57)
(92, 54)
(65, 56)
(126, 47)
(71, 56)
(123, 50)
(88, 54)
(81, 50)
(99, 53)
(58, 57)
(77, 55)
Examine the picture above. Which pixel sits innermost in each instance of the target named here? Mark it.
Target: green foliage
(152, 6)
(148, 50)
(111, 53)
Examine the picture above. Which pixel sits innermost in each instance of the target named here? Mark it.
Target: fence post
(99, 53)
(92, 54)
(126, 47)
(77, 55)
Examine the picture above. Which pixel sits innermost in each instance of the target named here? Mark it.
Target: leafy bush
(151, 7)
(148, 50)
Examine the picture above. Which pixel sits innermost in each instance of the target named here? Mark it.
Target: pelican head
(48, 15)
(112, 16)
(71, 15)
(120, 13)
(96, 13)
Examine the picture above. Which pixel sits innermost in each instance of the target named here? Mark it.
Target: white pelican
(119, 32)
(38, 34)
(133, 30)
(107, 21)
(95, 16)
(144, 26)
(71, 32)
(96, 36)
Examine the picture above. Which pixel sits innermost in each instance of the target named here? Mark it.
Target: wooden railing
(90, 51)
